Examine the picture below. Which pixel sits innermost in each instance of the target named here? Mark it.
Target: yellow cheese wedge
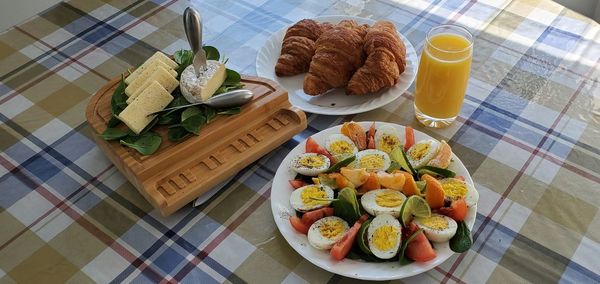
(157, 57)
(153, 99)
(160, 74)
(201, 87)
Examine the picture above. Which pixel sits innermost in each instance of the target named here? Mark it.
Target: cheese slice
(157, 57)
(153, 99)
(160, 74)
(146, 70)
(197, 88)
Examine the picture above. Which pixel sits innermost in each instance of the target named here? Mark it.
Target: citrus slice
(414, 206)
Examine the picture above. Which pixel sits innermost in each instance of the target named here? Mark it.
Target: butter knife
(192, 23)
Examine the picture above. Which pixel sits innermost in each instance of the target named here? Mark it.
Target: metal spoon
(230, 99)
(192, 24)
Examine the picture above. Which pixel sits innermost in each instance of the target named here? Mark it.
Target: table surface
(529, 133)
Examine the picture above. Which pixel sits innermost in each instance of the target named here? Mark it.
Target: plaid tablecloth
(529, 133)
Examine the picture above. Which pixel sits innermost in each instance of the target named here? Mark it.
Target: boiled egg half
(437, 228)
(372, 160)
(310, 164)
(385, 236)
(422, 152)
(325, 232)
(387, 138)
(383, 201)
(340, 145)
(456, 189)
(311, 197)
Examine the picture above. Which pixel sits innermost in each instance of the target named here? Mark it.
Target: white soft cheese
(199, 88)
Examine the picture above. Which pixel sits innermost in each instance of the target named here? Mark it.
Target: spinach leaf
(183, 58)
(172, 116)
(113, 134)
(230, 111)
(177, 133)
(363, 240)
(145, 144)
(212, 53)
(403, 259)
(210, 113)
(189, 112)
(346, 206)
(233, 77)
(194, 124)
(461, 241)
(113, 121)
(118, 100)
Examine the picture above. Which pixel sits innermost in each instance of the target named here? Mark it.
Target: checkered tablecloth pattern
(529, 133)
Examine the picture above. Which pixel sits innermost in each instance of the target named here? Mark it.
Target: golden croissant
(298, 47)
(338, 53)
(386, 60)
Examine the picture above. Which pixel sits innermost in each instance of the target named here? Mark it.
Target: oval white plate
(280, 205)
(335, 102)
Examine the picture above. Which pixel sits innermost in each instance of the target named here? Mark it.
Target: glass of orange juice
(443, 74)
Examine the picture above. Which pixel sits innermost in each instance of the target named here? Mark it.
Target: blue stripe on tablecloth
(486, 245)
(42, 56)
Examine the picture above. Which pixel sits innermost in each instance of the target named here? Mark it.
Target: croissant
(298, 48)
(386, 60)
(338, 53)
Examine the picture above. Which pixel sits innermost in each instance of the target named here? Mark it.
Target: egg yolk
(372, 162)
(331, 228)
(341, 147)
(385, 237)
(388, 143)
(311, 161)
(419, 151)
(309, 194)
(435, 222)
(388, 199)
(455, 189)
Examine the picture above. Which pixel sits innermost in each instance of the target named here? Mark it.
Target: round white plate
(282, 210)
(335, 102)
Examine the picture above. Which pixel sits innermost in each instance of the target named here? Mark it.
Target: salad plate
(353, 268)
(335, 102)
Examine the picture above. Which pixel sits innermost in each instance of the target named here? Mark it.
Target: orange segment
(392, 181)
(371, 184)
(434, 193)
(410, 187)
(356, 133)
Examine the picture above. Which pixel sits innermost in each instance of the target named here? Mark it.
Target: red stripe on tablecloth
(222, 236)
(71, 59)
(520, 173)
(91, 48)
(83, 222)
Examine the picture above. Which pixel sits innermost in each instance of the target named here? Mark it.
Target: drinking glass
(443, 73)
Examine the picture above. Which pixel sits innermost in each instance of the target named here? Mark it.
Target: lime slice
(414, 206)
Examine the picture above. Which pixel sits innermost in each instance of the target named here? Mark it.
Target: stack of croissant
(359, 58)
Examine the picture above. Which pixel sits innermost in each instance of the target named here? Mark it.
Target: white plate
(335, 102)
(282, 210)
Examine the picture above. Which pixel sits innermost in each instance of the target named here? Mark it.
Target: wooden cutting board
(180, 172)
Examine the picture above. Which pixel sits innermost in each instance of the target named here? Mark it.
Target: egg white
(431, 152)
(317, 240)
(472, 195)
(379, 221)
(339, 137)
(435, 235)
(299, 205)
(385, 131)
(360, 155)
(310, 171)
(369, 203)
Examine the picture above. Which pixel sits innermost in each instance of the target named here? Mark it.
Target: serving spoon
(229, 99)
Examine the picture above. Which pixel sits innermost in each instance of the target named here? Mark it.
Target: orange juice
(443, 74)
